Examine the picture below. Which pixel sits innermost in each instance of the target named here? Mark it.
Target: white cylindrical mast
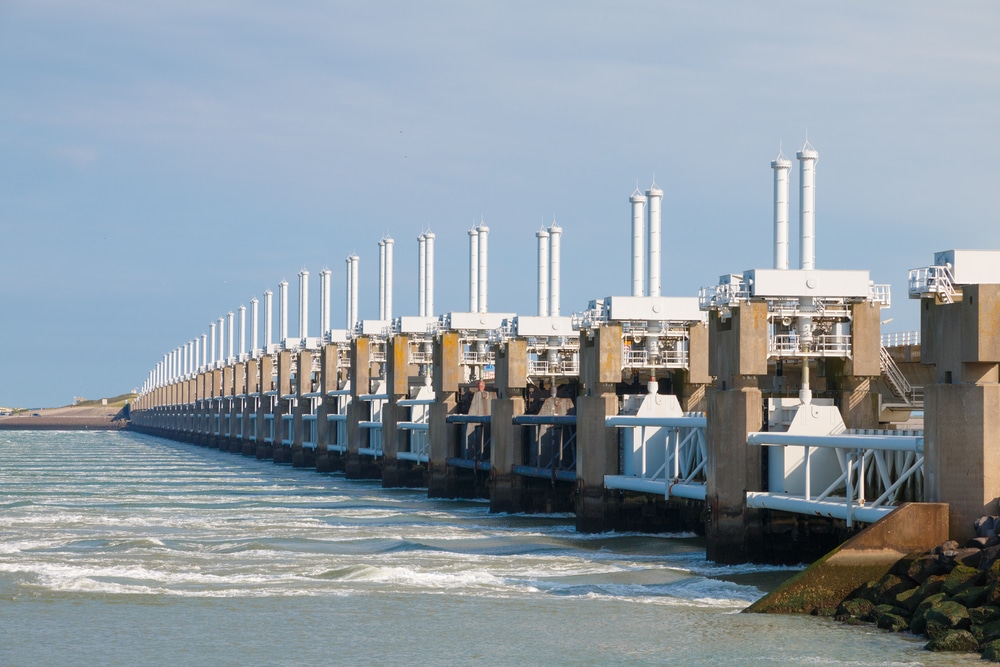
(221, 330)
(282, 312)
(243, 330)
(350, 288)
(429, 283)
(204, 351)
(473, 270)
(268, 319)
(381, 279)
(324, 300)
(230, 318)
(781, 166)
(355, 264)
(254, 340)
(555, 261)
(638, 201)
(484, 232)
(543, 272)
(422, 276)
(389, 243)
(655, 196)
(211, 335)
(807, 158)
(303, 305)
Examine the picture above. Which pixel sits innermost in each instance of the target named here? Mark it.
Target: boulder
(944, 617)
(986, 526)
(971, 596)
(950, 545)
(991, 651)
(961, 577)
(893, 622)
(927, 565)
(858, 608)
(983, 615)
(891, 585)
(953, 640)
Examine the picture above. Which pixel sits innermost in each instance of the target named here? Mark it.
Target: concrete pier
(445, 481)
(962, 408)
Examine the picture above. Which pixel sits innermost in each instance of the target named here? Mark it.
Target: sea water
(124, 549)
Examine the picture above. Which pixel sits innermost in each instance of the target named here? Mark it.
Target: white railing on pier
(417, 429)
(542, 367)
(900, 338)
(932, 280)
(661, 359)
(672, 465)
(884, 462)
(790, 345)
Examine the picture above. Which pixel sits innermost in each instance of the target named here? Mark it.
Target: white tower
(324, 300)
(555, 258)
(230, 317)
(268, 319)
(422, 275)
(243, 330)
(543, 272)
(282, 312)
(638, 201)
(484, 232)
(807, 158)
(389, 243)
(355, 266)
(221, 330)
(303, 305)
(381, 279)
(429, 283)
(474, 270)
(655, 196)
(211, 336)
(254, 323)
(781, 166)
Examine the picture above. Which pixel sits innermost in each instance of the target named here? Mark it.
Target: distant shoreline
(63, 419)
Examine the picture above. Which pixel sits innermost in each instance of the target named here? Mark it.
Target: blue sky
(163, 162)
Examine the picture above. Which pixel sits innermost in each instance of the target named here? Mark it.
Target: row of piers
(431, 409)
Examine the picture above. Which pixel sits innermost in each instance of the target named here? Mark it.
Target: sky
(161, 163)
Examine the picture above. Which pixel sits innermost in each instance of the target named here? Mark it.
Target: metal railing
(660, 359)
(671, 465)
(897, 381)
(476, 443)
(540, 367)
(900, 338)
(551, 447)
(417, 430)
(875, 462)
(932, 280)
(826, 345)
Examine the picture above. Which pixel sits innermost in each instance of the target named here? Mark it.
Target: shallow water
(122, 549)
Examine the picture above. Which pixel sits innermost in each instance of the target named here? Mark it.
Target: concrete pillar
(506, 488)
(327, 461)
(962, 408)
(596, 444)
(215, 423)
(356, 466)
(443, 437)
(236, 413)
(737, 354)
(282, 450)
(397, 473)
(248, 445)
(303, 457)
(264, 449)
